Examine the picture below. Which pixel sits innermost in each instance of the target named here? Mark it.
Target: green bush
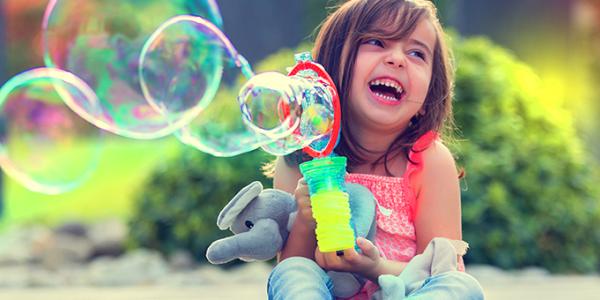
(530, 198)
(179, 205)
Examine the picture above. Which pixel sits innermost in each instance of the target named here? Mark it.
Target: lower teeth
(387, 97)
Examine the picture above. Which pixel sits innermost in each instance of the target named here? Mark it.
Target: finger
(319, 258)
(302, 182)
(351, 256)
(367, 247)
(332, 260)
(303, 202)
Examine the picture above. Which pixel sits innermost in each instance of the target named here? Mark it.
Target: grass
(109, 193)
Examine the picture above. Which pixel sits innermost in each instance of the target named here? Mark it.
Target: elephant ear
(237, 204)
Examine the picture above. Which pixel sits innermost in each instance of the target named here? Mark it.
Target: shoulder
(437, 155)
(439, 167)
(285, 176)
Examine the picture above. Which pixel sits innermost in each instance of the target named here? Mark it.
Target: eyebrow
(422, 44)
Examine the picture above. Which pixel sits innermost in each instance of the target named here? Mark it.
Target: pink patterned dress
(395, 209)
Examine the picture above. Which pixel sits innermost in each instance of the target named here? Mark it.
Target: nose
(396, 59)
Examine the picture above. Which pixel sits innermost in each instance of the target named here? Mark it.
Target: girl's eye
(374, 42)
(418, 53)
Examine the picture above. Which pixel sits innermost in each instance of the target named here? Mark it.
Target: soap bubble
(181, 66)
(100, 41)
(219, 129)
(44, 144)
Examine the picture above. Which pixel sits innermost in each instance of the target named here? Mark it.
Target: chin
(385, 122)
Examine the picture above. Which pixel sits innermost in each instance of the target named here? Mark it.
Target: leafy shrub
(531, 198)
(179, 205)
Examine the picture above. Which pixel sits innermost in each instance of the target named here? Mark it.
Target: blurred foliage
(179, 205)
(315, 12)
(531, 198)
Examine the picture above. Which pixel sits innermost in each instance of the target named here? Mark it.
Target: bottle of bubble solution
(330, 202)
(325, 177)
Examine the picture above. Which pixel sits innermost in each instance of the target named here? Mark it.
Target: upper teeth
(389, 83)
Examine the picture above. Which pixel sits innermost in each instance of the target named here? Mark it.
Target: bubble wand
(325, 174)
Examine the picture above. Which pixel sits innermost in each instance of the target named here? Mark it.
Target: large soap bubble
(181, 66)
(100, 41)
(218, 70)
(219, 128)
(44, 144)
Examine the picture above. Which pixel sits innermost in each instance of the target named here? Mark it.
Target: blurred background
(527, 108)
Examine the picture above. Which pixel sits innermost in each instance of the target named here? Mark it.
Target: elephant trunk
(261, 242)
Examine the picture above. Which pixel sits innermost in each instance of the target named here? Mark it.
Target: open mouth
(386, 89)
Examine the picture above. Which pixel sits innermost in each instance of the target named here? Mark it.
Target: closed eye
(374, 42)
(417, 53)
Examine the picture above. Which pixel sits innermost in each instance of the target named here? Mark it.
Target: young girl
(391, 66)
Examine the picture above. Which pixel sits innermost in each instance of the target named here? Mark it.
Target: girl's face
(391, 79)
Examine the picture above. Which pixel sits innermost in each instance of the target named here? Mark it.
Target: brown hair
(336, 48)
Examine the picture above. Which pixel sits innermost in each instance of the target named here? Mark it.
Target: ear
(237, 204)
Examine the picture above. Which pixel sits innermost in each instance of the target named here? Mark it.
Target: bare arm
(301, 240)
(438, 198)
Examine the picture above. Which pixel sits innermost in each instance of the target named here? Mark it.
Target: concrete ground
(563, 287)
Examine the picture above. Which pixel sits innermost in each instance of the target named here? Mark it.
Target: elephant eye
(249, 224)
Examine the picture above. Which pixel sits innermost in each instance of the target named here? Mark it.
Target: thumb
(367, 247)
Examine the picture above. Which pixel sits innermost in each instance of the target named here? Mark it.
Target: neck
(376, 140)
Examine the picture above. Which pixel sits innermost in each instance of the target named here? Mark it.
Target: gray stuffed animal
(262, 219)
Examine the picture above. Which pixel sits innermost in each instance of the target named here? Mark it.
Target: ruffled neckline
(412, 165)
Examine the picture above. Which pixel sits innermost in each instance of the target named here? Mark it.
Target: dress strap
(415, 155)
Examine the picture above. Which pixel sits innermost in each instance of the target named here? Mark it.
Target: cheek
(420, 81)
(355, 85)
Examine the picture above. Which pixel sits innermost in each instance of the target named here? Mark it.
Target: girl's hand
(302, 197)
(365, 264)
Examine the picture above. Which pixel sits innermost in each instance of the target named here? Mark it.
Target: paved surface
(497, 285)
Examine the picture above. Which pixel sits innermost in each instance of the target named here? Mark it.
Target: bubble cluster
(144, 70)
(100, 41)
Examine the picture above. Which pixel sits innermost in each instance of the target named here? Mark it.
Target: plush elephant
(439, 257)
(262, 219)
